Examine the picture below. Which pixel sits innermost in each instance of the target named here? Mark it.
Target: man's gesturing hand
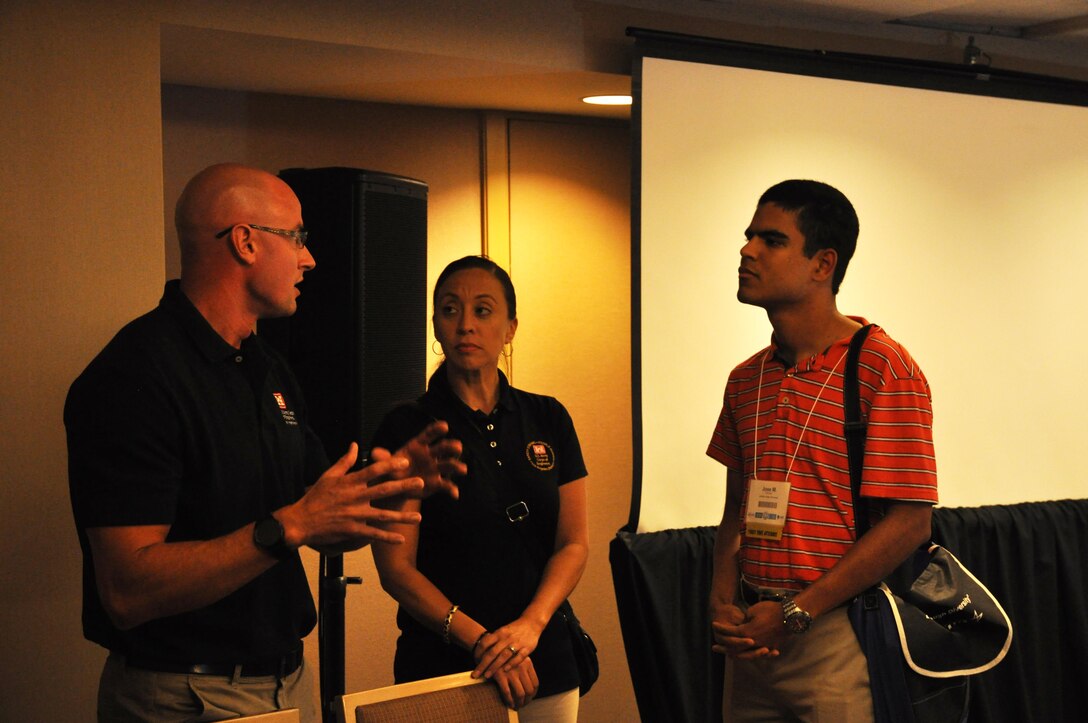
(431, 457)
(336, 514)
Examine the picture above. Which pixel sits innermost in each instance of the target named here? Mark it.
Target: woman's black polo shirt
(522, 452)
(171, 425)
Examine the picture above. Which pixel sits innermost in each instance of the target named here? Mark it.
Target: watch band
(794, 618)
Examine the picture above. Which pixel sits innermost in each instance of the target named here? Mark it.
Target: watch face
(799, 621)
(268, 533)
(795, 619)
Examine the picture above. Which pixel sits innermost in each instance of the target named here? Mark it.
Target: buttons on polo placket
(492, 443)
(784, 397)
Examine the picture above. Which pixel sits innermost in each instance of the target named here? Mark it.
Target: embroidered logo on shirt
(540, 455)
(288, 414)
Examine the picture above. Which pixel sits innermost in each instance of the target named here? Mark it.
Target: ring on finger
(513, 650)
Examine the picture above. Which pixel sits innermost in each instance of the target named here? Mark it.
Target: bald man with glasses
(195, 477)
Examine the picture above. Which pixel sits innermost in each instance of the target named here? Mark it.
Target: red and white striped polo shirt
(899, 459)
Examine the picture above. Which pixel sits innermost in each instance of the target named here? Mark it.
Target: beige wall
(80, 205)
(570, 260)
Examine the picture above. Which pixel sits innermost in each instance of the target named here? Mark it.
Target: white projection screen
(973, 252)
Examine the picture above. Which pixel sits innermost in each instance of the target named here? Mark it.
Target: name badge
(765, 515)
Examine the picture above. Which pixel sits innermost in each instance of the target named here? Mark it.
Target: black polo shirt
(171, 425)
(522, 452)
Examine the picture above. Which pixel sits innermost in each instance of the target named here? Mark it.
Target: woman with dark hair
(480, 579)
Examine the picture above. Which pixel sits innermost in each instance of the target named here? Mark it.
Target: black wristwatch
(268, 536)
(794, 618)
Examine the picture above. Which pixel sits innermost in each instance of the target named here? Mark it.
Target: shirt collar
(826, 359)
(439, 384)
(204, 337)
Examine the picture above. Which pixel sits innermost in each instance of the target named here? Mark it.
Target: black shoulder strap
(854, 427)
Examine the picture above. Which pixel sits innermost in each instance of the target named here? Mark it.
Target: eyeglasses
(299, 236)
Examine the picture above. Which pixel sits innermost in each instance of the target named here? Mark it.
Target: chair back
(457, 698)
(287, 715)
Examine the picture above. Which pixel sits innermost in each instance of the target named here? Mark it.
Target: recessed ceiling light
(607, 99)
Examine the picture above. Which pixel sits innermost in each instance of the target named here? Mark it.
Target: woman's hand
(519, 685)
(504, 649)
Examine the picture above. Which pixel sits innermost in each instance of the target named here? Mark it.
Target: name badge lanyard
(768, 502)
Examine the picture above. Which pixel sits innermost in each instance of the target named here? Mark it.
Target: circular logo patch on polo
(541, 455)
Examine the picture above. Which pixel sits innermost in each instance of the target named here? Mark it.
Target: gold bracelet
(446, 626)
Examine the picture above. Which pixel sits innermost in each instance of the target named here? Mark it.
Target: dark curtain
(662, 582)
(1032, 556)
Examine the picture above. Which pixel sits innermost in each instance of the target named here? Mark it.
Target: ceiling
(543, 56)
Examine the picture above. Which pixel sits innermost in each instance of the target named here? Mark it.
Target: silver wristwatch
(794, 618)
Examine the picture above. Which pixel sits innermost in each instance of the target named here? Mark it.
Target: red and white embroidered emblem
(540, 455)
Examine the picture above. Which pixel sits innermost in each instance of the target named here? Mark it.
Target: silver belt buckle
(517, 512)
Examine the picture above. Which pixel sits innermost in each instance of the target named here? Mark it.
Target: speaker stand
(331, 593)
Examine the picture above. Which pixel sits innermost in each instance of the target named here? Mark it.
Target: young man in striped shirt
(786, 561)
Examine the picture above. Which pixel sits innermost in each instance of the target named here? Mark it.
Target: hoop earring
(508, 359)
(436, 352)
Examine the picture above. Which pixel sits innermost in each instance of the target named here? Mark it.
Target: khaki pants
(131, 695)
(820, 677)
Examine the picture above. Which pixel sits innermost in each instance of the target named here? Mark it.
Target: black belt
(753, 595)
(279, 667)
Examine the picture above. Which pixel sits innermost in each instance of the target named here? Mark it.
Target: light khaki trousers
(131, 695)
(820, 677)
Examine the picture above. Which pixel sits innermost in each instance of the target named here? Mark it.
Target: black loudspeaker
(357, 340)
